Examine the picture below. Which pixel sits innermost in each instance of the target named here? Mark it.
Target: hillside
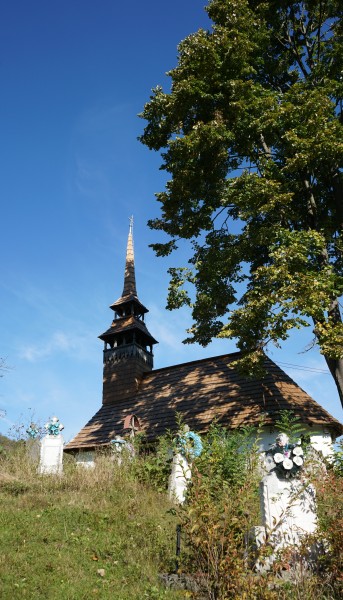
(86, 534)
(109, 532)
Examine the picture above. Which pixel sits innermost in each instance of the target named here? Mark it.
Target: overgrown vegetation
(110, 532)
(222, 507)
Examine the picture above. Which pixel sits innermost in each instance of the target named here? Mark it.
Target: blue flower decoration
(54, 429)
(190, 444)
(54, 426)
(32, 432)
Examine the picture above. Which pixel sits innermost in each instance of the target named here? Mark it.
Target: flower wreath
(288, 458)
(190, 444)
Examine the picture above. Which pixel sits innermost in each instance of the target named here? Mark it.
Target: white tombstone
(288, 509)
(117, 448)
(51, 450)
(51, 455)
(122, 448)
(187, 446)
(288, 505)
(179, 478)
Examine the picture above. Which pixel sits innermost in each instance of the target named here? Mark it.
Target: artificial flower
(282, 440)
(298, 451)
(191, 444)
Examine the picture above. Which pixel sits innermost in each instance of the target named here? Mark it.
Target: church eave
(127, 300)
(120, 326)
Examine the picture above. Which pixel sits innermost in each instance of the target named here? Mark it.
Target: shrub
(330, 517)
(222, 505)
(152, 464)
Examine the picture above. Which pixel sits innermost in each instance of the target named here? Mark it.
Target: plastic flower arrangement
(120, 444)
(288, 458)
(32, 431)
(188, 443)
(54, 427)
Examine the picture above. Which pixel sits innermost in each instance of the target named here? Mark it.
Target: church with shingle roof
(137, 396)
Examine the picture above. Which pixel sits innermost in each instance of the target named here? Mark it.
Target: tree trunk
(336, 370)
(335, 364)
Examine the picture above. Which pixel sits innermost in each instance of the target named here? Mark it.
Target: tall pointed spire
(129, 276)
(127, 343)
(128, 301)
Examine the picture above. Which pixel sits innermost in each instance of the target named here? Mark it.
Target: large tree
(251, 134)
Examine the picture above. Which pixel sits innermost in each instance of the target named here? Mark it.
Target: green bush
(222, 506)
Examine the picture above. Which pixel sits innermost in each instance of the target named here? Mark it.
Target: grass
(89, 533)
(105, 534)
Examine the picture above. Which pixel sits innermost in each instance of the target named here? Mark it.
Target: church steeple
(128, 303)
(127, 343)
(129, 276)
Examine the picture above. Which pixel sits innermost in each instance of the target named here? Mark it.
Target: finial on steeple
(129, 277)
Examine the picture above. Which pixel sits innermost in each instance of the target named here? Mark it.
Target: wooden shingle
(203, 391)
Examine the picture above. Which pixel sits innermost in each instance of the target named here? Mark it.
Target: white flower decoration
(298, 451)
(278, 457)
(287, 464)
(298, 461)
(282, 439)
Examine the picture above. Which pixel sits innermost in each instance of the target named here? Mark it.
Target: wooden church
(137, 396)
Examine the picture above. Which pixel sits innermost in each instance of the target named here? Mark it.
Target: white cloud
(59, 342)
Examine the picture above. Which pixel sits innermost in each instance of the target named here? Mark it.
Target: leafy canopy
(251, 135)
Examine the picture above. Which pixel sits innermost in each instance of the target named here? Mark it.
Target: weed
(108, 532)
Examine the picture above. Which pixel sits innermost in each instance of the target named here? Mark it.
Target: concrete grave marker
(288, 504)
(179, 478)
(51, 450)
(188, 445)
(122, 448)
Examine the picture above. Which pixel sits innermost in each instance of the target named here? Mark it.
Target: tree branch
(311, 203)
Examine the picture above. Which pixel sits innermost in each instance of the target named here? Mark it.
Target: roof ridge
(191, 362)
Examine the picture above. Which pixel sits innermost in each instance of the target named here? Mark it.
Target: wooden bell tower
(127, 343)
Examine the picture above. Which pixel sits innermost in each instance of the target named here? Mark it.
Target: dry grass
(87, 533)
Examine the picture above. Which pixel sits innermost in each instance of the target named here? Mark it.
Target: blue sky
(74, 75)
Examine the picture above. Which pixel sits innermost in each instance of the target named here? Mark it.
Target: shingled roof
(126, 324)
(202, 391)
